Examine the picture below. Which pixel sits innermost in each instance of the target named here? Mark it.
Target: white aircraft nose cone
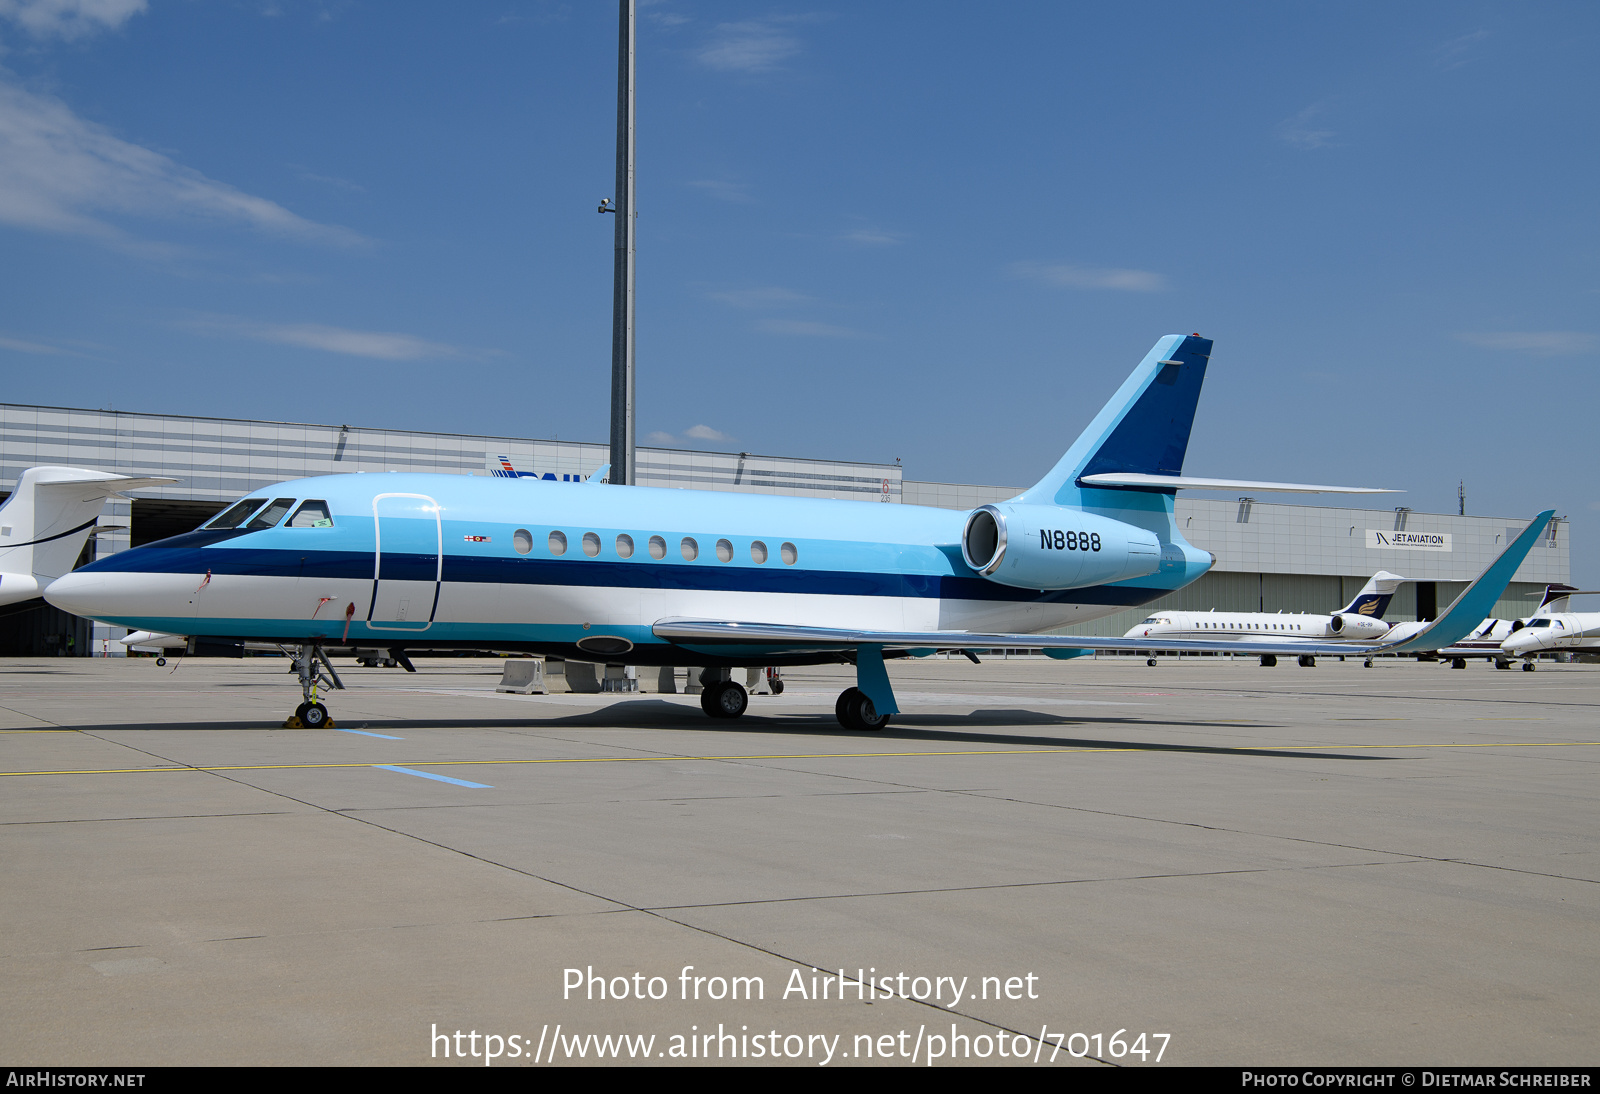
(76, 594)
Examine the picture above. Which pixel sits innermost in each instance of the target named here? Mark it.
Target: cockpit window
(271, 515)
(1540, 623)
(312, 514)
(236, 515)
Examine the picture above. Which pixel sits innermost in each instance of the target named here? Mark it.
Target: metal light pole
(622, 454)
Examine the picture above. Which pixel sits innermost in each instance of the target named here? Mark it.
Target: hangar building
(1270, 557)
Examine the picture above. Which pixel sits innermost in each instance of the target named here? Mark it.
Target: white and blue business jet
(644, 576)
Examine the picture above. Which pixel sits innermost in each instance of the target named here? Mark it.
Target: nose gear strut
(314, 670)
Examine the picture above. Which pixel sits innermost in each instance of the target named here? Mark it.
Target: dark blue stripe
(599, 574)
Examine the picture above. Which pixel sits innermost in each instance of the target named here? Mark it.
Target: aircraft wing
(728, 637)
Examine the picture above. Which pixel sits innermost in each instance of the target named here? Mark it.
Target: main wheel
(1269, 660)
(1501, 663)
(1527, 666)
(724, 699)
(313, 715)
(1151, 661)
(1367, 664)
(777, 687)
(857, 712)
(1307, 661)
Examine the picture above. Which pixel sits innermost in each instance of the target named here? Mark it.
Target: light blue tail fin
(1143, 429)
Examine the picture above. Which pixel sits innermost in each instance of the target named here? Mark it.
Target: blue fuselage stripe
(598, 573)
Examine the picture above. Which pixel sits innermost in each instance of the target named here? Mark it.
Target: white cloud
(804, 328)
(1068, 276)
(724, 191)
(871, 237)
(659, 437)
(1455, 52)
(57, 172)
(772, 297)
(750, 46)
(1299, 130)
(19, 346)
(705, 433)
(70, 19)
(1544, 343)
(382, 345)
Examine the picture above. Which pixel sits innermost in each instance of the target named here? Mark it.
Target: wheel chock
(294, 722)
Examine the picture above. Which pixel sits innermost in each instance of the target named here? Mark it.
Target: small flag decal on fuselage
(476, 539)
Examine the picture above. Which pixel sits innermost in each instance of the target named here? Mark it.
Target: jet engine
(1354, 627)
(1045, 547)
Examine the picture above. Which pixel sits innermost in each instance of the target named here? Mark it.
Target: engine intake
(1046, 547)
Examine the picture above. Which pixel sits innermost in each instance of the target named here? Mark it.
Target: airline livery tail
(1373, 599)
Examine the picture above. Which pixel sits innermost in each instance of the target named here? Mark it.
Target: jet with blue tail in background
(646, 576)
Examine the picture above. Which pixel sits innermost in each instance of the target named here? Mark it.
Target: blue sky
(939, 232)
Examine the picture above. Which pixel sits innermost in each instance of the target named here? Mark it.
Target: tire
(1458, 662)
(1307, 661)
(724, 699)
(1501, 663)
(777, 687)
(313, 715)
(1527, 666)
(1367, 664)
(856, 712)
(1151, 661)
(1269, 660)
(160, 661)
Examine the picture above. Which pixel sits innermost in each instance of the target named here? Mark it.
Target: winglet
(600, 474)
(1473, 606)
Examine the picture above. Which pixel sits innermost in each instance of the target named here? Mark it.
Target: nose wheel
(315, 671)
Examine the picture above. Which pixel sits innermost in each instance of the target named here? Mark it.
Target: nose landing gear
(314, 670)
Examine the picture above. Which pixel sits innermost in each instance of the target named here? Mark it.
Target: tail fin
(46, 521)
(1555, 599)
(1143, 429)
(1373, 599)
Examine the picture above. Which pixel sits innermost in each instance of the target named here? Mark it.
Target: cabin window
(558, 543)
(236, 516)
(271, 515)
(658, 547)
(789, 554)
(312, 514)
(691, 549)
(624, 546)
(724, 551)
(758, 552)
(522, 541)
(591, 544)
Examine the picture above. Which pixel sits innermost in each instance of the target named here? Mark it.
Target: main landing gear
(314, 670)
(723, 698)
(855, 711)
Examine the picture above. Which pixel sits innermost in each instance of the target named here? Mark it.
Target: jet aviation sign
(1408, 541)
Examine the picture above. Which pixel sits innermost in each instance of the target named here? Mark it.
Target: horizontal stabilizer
(1192, 482)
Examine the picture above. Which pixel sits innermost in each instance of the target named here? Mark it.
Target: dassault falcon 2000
(642, 576)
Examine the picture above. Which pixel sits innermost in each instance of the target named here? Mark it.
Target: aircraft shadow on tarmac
(965, 730)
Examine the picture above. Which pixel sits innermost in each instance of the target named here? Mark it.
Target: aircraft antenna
(622, 431)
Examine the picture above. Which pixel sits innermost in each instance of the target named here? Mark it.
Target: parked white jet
(47, 520)
(1359, 621)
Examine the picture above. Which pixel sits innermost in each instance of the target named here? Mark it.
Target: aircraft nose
(76, 594)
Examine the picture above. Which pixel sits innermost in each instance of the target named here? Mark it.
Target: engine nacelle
(1045, 547)
(1354, 627)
